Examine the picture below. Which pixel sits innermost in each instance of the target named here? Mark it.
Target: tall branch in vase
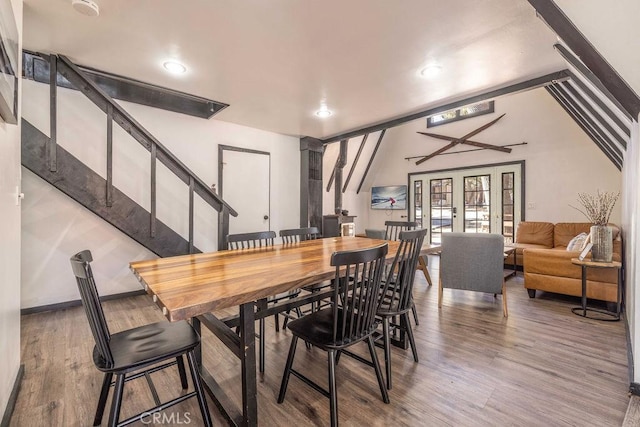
(597, 208)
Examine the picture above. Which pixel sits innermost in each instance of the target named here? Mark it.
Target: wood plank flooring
(543, 366)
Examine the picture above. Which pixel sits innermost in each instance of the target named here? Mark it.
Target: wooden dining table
(192, 286)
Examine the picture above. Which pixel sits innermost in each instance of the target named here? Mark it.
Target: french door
(475, 200)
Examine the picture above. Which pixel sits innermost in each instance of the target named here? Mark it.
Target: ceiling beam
(570, 109)
(505, 90)
(355, 162)
(36, 67)
(373, 155)
(596, 99)
(591, 123)
(577, 42)
(587, 74)
(602, 122)
(605, 142)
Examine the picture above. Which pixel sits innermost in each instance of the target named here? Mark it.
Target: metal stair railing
(61, 64)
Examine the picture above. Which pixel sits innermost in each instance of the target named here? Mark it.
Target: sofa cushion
(557, 263)
(563, 232)
(537, 233)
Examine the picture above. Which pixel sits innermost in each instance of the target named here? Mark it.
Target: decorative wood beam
(342, 162)
(577, 42)
(373, 155)
(36, 67)
(355, 162)
(595, 114)
(604, 107)
(591, 123)
(587, 74)
(569, 110)
(505, 90)
(333, 174)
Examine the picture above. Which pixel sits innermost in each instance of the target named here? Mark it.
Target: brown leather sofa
(547, 263)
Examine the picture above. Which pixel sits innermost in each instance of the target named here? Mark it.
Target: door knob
(265, 217)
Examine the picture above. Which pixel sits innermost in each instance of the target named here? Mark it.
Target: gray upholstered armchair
(474, 262)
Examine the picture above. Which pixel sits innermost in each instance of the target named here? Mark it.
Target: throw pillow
(578, 242)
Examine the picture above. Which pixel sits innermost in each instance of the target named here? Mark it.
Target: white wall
(55, 227)
(10, 244)
(561, 160)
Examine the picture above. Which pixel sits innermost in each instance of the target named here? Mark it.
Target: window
(417, 201)
(461, 113)
(441, 195)
(477, 204)
(507, 206)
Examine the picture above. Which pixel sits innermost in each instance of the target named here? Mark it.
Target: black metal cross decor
(464, 140)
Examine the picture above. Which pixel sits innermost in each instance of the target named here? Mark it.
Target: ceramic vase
(602, 239)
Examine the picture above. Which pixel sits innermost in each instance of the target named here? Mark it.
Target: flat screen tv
(389, 197)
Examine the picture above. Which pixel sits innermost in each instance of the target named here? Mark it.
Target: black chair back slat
(398, 286)
(394, 228)
(251, 240)
(356, 299)
(91, 302)
(295, 235)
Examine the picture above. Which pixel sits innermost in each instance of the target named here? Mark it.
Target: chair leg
(116, 402)
(376, 366)
(440, 293)
(412, 340)
(415, 313)
(387, 349)
(102, 401)
(287, 369)
(333, 398)
(276, 319)
(182, 372)
(422, 265)
(505, 312)
(202, 399)
(262, 344)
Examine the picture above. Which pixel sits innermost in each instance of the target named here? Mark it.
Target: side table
(582, 311)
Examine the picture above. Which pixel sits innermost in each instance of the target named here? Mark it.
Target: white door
(475, 200)
(245, 186)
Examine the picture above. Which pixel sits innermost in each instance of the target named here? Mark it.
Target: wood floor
(542, 366)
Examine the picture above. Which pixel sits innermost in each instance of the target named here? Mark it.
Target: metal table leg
(248, 365)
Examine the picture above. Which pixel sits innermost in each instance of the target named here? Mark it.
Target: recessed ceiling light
(86, 7)
(174, 67)
(323, 113)
(430, 71)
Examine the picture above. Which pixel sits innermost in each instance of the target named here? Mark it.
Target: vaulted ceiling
(277, 62)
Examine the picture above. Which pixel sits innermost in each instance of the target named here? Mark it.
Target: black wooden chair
(260, 239)
(295, 235)
(350, 320)
(136, 352)
(392, 232)
(394, 228)
(251, 240)
(397, 298)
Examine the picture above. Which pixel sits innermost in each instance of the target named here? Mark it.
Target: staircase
(45, 158)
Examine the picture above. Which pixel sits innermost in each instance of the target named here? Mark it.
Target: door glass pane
(507, 206)
(441, 204)
(417, 204)
(477, 202)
